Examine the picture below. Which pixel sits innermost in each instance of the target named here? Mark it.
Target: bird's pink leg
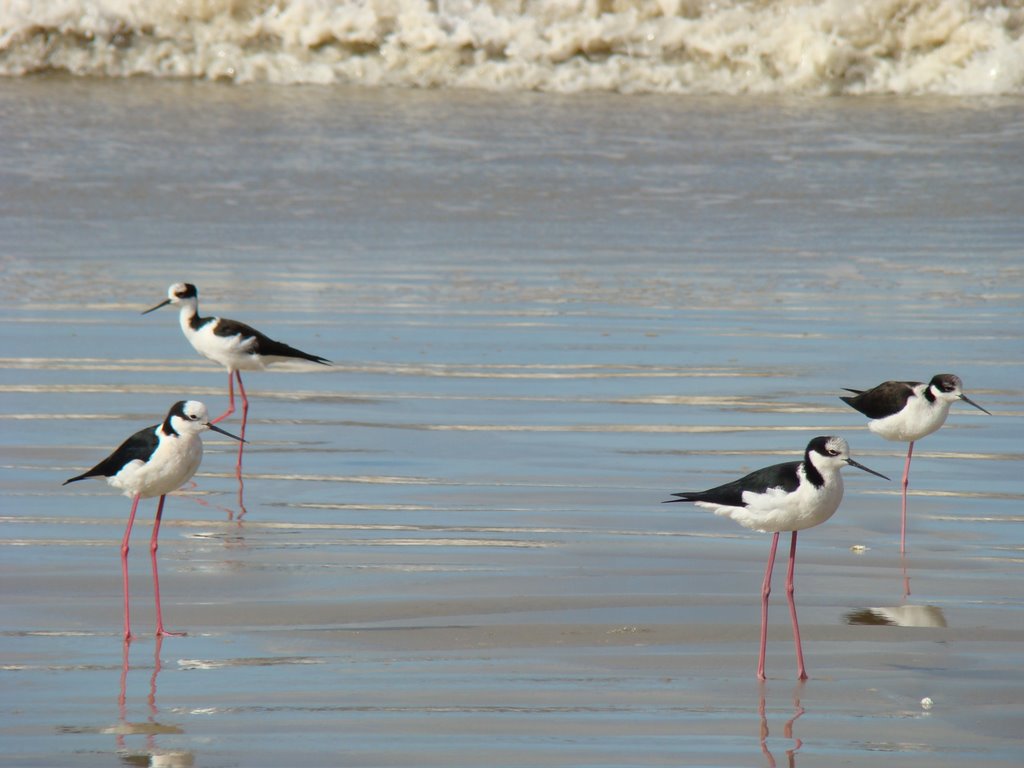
(160, 631)
(245, 418)
(231, 397)
(124, 568)
(903, 515)
(766, 590)
(792, 610)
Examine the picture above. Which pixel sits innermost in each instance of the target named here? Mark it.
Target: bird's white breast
(172, 464)
(233, 352)
(777, 510)
(920, 417)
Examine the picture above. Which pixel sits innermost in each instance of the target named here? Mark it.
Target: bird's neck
(812, 473)
(935, 402)
(188, 316)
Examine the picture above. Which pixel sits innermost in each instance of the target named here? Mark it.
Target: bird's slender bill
(966, 399)
(215, 428)
(163, 303)
(858, 465)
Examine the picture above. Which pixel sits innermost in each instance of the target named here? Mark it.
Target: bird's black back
(262, 344)
(887, 398)
(139, 446)
(782, 476)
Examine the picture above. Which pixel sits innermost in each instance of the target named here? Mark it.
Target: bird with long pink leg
(236, 346)
(791, 496)
(154, 462)
(906, 411)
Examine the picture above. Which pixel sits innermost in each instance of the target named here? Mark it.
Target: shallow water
(545, 314)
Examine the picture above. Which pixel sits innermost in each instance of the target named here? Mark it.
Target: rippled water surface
(545, 314)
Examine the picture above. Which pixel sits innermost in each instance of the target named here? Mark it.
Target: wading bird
(153, 462)
(236, 346)
(906, 411)
(790, 496)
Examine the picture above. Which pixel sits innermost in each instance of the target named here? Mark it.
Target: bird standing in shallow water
(236, 346)
(790, 496)
(906, 411)
(153, 462)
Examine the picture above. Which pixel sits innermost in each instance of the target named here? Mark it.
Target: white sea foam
(958, 47)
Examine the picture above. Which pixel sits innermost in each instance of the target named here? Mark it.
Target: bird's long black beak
(966, 399)
(215, 428)
(163, 303)
(858, 465)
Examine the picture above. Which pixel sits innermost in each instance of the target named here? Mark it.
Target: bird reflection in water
(152, 755)
(241, 501)
(898, 616)
(787, 729)
(233, 514)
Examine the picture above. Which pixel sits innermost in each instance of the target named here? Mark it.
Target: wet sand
(453, 550)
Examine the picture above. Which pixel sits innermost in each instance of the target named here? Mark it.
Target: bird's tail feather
(682, 497)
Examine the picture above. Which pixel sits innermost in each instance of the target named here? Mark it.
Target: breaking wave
(954, 47)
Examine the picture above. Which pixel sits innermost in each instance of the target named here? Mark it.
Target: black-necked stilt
(153, 462)
(906, 411)
(790, 496)
(236, 346)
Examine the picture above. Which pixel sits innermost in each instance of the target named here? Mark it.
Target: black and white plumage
(158, 459)
(236, 346)
(154, 462)
(791, 496)
(906, 411)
